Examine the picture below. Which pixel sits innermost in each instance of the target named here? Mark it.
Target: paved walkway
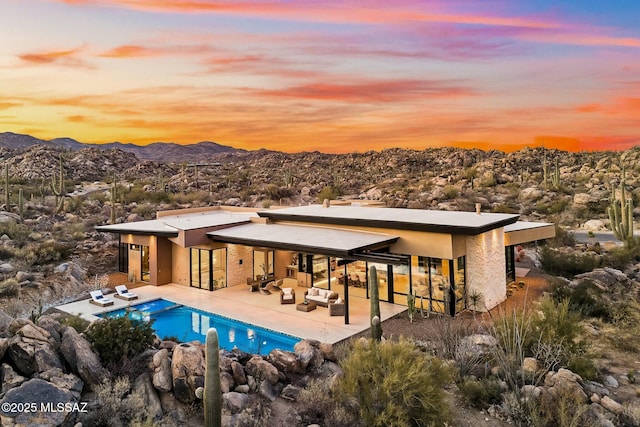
(252, 307)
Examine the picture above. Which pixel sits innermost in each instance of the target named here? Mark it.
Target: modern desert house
(442, 257)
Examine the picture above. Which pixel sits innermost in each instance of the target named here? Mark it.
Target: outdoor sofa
(320, 296)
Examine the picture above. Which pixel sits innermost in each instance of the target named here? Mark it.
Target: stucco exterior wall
(485, 264)
(435, 245)
(180, 265)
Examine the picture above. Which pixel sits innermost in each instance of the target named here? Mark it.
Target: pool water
(189, 324)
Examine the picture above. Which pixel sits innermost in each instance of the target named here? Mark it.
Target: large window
(208, 268)
(123, 258)
(144, 264)
(262, 263)
(439, 284)
(510, 256)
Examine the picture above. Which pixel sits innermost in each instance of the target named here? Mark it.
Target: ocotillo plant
(621, 212)
(376, 327)
(212, 392)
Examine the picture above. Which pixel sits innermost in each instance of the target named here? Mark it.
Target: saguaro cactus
(621, 212)
(21, 203)
(57, 186)
(6, 188)
(212, 392)
(376, 327)
(114, 195)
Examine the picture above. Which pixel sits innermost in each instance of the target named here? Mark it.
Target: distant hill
(165, 152)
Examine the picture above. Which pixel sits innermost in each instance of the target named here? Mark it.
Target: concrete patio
(255, 308)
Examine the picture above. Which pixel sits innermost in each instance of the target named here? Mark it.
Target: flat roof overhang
(144, 228)
(525, 231)
(449, 222)
(308, 239)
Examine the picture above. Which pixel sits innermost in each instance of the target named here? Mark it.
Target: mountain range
(163, 152)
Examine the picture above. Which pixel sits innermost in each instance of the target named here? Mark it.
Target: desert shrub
(145, 210)
(255, 414)
(9, 288)
(553, 207)
(46, 252)
(565, 409)
(620, 257)
(76, 322)
(6, 253)
(450, 192)
(19, 233)
(118, 405)
(117, 338)
(316, 404)
(393, 383)
(566, 264)
(562, 238)
(585, 298)
(74, 204)
(481, 394)
(329, 192)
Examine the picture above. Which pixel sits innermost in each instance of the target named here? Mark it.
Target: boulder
(226, 382)
(583, 198)
(9, 378)
(291, 392)
(244, 388)
(594, 225)
(187, 370)
(261, 370)
(531, 193)
(4, 343)
(5, 321)
(52, 326)
(234, 402)
(564, 383)
(530, 365)
(39, 392)
(174, 409)
(162, 379)
(30, 356)
(610, 382)
(308, 354)
(143, 385)
(23, 276)
(285, 361)
(34, 332)
(66, 381)
(6, 268)
(611, 405)
(81, 358)
(239, 376)
(480, 345)
(268, 391)
(327, 352)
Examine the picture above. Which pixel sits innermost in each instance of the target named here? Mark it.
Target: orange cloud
(59, 57)
(368, 91)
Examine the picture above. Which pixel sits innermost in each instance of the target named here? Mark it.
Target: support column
(346, 295)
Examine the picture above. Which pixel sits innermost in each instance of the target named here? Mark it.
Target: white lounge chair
(123, 293)
(98, 298)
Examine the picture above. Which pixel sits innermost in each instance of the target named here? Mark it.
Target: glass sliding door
(123, 258)
(208, 268)
(144, 264)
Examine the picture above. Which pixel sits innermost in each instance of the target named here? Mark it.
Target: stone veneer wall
(237, 274)
(485, 263)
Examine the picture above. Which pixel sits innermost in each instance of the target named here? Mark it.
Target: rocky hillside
(158, 152)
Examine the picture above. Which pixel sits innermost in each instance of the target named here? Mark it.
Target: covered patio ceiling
(307, 239)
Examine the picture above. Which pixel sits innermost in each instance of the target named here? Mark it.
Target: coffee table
(306, 307)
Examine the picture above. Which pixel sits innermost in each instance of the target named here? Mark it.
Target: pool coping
(253, 308)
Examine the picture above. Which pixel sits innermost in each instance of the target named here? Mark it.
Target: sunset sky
(332, 76)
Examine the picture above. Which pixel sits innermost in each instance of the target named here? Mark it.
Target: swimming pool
(189, 324)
